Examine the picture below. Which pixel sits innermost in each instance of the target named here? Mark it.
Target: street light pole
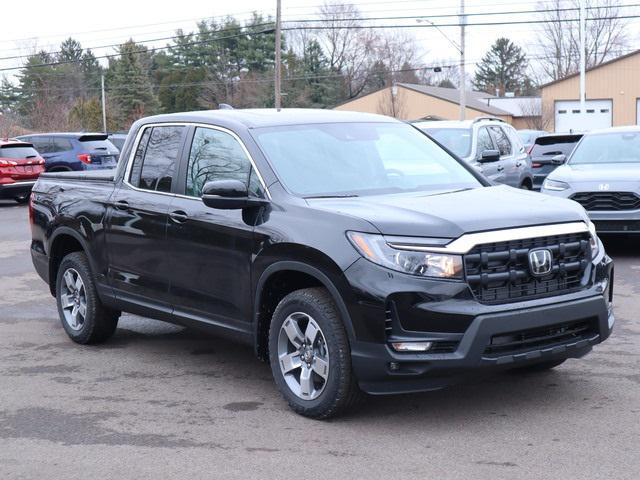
(583, 60)
(463, 87)
(278, 71)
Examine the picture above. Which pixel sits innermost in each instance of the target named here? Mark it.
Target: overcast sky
(44, 24)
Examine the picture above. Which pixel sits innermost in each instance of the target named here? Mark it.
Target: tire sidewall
(336, 357)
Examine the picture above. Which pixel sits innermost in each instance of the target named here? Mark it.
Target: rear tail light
(7, 163)
(536, 165)
(84, 157)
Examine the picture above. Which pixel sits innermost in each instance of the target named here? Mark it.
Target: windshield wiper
(350, 195)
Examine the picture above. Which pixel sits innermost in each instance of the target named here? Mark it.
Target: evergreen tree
(503, 68)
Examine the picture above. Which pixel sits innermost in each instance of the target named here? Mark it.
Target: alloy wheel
(73, 299)
(303, 356)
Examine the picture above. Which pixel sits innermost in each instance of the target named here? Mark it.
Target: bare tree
(391, 104)
(536, 115)
(559, 41)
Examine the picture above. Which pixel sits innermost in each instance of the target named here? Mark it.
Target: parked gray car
(489, 144)
(603, 175)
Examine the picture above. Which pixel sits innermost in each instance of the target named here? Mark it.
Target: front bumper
(446, 314)
(16, 189)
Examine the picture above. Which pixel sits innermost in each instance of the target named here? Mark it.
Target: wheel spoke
(311, 332)
(79, 284)
(65, 301)
(293, 332)
(321, 367)
(68, 279)
(290, 362)
(82, 309)
(306, 383)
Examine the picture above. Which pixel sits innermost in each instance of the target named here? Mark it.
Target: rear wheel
(526, 185)
(82, 314)
(310, 355)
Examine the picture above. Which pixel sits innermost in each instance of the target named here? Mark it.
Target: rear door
(545, 149)
(212, 248)
(138, 250)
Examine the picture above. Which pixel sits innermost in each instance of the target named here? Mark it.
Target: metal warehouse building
(612, 93)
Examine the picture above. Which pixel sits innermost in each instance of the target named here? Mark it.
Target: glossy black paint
(171, 257)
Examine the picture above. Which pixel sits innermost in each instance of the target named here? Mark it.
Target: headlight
(594, 241)
(424, 264)
(554, 185)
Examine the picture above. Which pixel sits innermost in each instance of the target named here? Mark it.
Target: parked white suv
(489, 144)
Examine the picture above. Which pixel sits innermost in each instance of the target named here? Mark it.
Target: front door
(489, 169)
(137, 247)
(506, 166)
(212, 248)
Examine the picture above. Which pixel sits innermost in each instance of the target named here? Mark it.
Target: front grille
(537, 338)
(499, 272)
(610, 226)
(607, 201)
(444, 347)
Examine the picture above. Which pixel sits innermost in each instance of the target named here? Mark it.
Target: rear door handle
(121, 205)
(178, 216)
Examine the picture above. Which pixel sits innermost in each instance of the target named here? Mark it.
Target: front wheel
(310, 355)
(82, 314)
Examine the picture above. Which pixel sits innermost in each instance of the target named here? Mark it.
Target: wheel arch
(63, 241)
(311, 276)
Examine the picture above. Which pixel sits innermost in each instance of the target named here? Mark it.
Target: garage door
(569, 118)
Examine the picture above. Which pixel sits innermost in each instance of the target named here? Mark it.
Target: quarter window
(155, 162)
(502, 141)
(217, 155)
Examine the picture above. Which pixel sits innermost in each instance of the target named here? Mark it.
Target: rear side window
(155, 163)
(18, 152)
(502, 141)
(61, 145)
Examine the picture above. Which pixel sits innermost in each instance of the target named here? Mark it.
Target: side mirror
(229, 195)
(559, 159)
(489, 156)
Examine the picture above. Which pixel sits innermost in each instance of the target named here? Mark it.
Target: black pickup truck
(351, 250)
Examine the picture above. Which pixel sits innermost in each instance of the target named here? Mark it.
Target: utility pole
(463, 87)
(278, 70)
(104, 106)
(583, 60)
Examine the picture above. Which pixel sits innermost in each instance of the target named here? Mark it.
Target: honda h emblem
(540, 262)
(603, 187)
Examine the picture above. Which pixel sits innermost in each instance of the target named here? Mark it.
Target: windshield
(93, 145)
(618, 147)
(458, 140)
(359, 159)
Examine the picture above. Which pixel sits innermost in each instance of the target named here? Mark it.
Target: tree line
(229, 61)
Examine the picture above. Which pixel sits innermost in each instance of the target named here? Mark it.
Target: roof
(60, 134)
(625, 129)
(473, 99)
(603, 64)
(269, 117)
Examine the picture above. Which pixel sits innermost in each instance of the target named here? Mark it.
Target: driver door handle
(121, 205)
(179, 216)
(500, 168)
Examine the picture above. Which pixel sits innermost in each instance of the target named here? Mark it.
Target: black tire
(525, 186)
(540, 367)
(341, 391)
(99, 322)
(22, 199)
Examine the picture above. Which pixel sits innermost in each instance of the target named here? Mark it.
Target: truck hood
(596, 172)
(451, 214)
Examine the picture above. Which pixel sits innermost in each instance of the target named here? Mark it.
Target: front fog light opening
(412, 346)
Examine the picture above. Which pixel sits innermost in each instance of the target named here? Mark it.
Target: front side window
(217, 155)
(502, 141)
(336, 159)
(156, 158)
(484, 141)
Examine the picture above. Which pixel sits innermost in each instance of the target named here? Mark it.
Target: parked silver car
(603, 175)
(491, 145)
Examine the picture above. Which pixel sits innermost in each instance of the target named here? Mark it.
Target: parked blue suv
(74, 151)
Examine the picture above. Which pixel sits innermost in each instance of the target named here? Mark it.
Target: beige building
(409, 101)
(612, 93)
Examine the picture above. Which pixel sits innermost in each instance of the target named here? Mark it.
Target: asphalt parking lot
(158, 401)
